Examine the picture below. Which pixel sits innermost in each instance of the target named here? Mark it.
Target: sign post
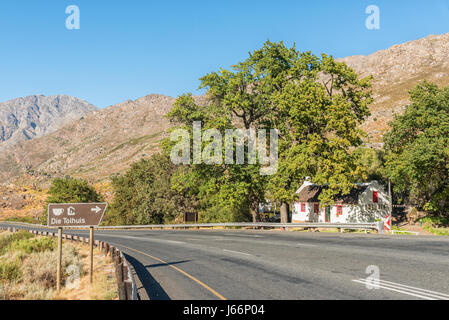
(91, 245)
(59, 265)
(75, 215)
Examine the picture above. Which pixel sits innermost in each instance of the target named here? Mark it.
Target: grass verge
(438, 226)
(28, 270)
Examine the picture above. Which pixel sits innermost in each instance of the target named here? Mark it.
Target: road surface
(271, 265)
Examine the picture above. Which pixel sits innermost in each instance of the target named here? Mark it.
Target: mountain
(34, 116)
(96, 146)
(396, 70)
(105, 142)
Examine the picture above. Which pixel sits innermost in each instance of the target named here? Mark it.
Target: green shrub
(21, 219)
(32, 245)
(436, 225)
(7, 239)
(437, 222)
(9, 271)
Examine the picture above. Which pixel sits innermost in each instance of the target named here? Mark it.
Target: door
(327, 214)
(316, 211)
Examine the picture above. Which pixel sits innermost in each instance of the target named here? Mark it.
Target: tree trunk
(284, 212)
(255, 212)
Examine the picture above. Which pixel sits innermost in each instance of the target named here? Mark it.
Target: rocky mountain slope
(398, 69)
(99, 144)
(105, 142)
(34, 116)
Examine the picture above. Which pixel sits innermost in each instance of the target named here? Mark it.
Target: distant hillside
(34, 116)
(101, 143)
(398, 69)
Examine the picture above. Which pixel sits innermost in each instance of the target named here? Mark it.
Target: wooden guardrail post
(125, 272)
(106, 249)
(120, 280)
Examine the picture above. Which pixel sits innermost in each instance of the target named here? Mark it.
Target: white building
(366, 202)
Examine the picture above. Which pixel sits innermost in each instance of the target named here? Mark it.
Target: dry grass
(29, 272)
(104, 285)
(31, 198)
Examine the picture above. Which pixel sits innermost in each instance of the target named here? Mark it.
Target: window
(316, 208)
(375, 196)
(339, 210)
(303, 207)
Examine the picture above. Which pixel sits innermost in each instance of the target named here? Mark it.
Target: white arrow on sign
(96, 209)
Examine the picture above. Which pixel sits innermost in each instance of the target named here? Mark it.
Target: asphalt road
(271, 265)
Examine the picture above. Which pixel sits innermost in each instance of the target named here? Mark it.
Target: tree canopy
(144, 194)
(417, 148)
(316, 105)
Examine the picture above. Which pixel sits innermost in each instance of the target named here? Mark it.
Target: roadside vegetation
(438, 226)
(417, 150)
(318, 106)
(27, 271)
(315, 102)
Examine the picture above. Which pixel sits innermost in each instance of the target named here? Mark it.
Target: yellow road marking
(177, 269)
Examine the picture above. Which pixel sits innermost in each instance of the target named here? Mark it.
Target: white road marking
(172, 241)
(409, 290)
(238, 252)
(429, 291)
(305, 245)
(243, 235)
(145, 239)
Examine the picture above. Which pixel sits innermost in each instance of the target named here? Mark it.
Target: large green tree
(417, 149)
(315, 103)
(144, 194)
(318, 113)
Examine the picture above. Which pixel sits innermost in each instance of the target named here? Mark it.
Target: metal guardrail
(378, 226)
(251, 225)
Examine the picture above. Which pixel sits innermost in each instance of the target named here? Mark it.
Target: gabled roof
(311, 192)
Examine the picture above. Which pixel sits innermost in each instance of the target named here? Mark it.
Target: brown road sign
(75, 214)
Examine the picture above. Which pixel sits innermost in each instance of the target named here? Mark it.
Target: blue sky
(128, 49)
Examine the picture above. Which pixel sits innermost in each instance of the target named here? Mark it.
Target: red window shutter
(339, 210)
(375, 196)
(303, 207)
(316, 208)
